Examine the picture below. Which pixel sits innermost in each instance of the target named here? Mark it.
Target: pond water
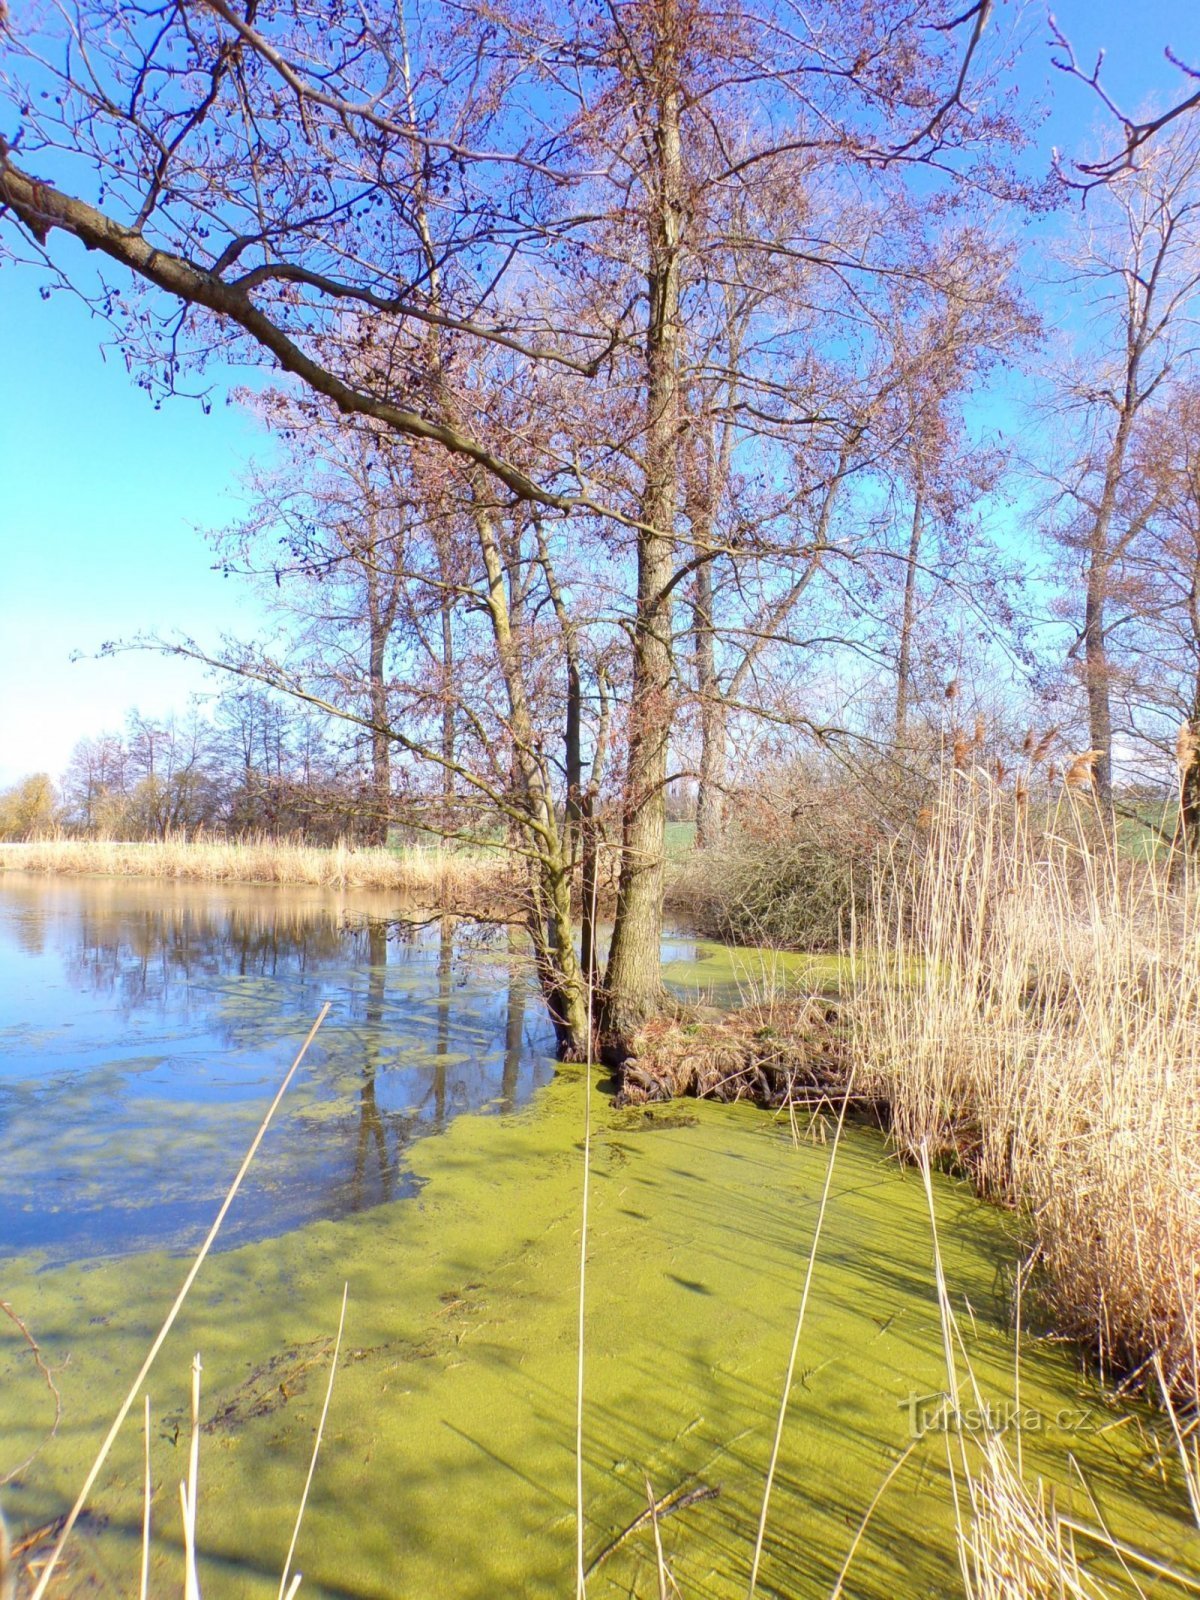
(144, 1025)
(145, 1028)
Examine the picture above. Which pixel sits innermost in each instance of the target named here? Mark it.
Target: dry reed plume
(1030, 1005)
(439, 877)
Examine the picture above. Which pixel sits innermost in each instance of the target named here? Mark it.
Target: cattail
(962, 750)
(980, 730)
(1021, 793)
(1042, 749)
(1082, 769)
(1186, 748)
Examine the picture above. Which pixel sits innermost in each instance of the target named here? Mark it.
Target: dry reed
(432, 875)
(1029, 1005)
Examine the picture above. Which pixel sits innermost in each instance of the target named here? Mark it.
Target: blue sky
(103, 500)
(103, 503)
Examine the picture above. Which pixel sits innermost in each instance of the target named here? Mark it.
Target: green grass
(681, 840)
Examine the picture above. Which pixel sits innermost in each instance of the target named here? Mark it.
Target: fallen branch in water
(50, 1384)
(48, 1530)
(678, 1500)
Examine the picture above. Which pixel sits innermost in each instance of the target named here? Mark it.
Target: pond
(144, 1022)
(430, 1158)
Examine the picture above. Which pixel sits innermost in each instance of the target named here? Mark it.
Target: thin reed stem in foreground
(312, 1465)
(189, 1493)
(791, 1366)
(580, 1567)
(147, 1491)
(43, 1582)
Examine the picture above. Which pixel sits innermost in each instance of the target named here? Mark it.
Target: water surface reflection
(144, 1026)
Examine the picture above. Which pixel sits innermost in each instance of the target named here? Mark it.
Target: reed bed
(1029, 1008)
(432, 875)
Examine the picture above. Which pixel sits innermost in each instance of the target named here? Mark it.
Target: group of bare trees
(241, 764)
(622, 354)
(1123, 465)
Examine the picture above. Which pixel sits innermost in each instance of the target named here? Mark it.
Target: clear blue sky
(103, 503)
(103, 499)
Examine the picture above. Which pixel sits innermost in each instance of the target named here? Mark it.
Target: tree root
(785, 1053)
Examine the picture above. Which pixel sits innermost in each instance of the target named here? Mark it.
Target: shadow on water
(144, 1025)
(148, 1035)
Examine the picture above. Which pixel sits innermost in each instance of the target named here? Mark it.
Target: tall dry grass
(1028, 1003)
(432, 875)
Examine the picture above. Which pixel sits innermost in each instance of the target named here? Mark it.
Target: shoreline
(433, 877)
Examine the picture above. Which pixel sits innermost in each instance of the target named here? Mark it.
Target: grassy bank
(430, 876)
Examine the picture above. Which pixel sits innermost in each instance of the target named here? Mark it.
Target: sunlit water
(144, 1026)
(143, 1029)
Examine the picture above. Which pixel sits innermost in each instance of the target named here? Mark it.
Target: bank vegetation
(1019, 996)
(470, 881)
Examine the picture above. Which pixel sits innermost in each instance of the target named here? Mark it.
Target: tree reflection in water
(146, 1025)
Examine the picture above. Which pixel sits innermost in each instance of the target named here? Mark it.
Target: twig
(50, 1384)
(48, 1530)
(678, 1500)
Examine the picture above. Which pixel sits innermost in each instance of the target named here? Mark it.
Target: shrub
(793, 866)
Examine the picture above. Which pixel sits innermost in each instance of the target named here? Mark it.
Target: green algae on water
(447, 1468)
(729, 975)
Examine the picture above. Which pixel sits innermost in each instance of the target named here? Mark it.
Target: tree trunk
(381, 745)
(710, 792)
(633, 984)
(573, 820)
(551, 924)
(1188, 830)
(590, 839)
(445, 973)
(531, 810)
(1189, 799)
(908, 620)
(1095, 652)
(573, 716)
(514, 1027)
(448, 741)
(1095, 643)
(710, 797)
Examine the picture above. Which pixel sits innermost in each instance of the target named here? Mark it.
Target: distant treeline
(242, 764)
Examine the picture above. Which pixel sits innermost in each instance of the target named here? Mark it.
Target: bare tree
(329, 538)
(414, 214)
(1136, 263)
(1154, 633)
